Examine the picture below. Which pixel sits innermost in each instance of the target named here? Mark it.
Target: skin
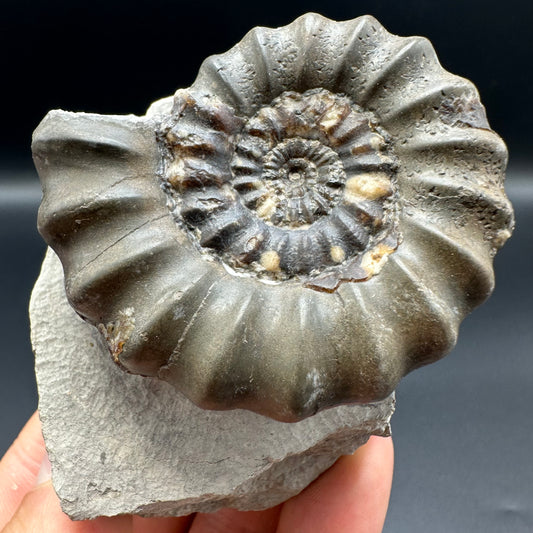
(351, 497)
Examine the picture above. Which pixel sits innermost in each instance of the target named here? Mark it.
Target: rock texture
(122, 443)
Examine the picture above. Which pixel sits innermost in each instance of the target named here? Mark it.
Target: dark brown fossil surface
(302, 186)
(300, 228)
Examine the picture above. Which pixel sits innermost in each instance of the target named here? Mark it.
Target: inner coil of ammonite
(303, 189)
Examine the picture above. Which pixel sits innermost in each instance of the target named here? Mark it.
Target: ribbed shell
(225, 339)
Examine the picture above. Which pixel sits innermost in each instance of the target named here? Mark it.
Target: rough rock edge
(327, 435)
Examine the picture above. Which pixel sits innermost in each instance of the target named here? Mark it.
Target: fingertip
(352, 496)
(19, 467)
(377, 455)
(41, 511)
(232, 521)
(38, 508)
(45, 471)
(172, 524)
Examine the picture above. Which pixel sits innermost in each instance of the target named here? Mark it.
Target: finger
(40, 511)
(19, 468)
(351, 497)
(232, 521)
(162, 525)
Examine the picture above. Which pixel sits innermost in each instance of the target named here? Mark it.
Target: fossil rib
(300, 228)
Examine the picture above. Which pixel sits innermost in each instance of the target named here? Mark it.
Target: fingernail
(45, 472)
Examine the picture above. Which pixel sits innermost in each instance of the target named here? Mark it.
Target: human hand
(351, 497)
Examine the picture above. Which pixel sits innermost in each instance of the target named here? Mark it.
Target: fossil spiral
(300, 228)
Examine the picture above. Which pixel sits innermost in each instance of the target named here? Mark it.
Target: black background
(463, 428)
(116, 57)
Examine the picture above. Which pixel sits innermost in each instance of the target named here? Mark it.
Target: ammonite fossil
(300, 228)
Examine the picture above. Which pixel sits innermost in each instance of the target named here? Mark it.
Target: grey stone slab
(122, 443)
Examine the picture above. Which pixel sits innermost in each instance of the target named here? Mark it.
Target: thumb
(40, 511)
(19, 468)
(38, 506)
